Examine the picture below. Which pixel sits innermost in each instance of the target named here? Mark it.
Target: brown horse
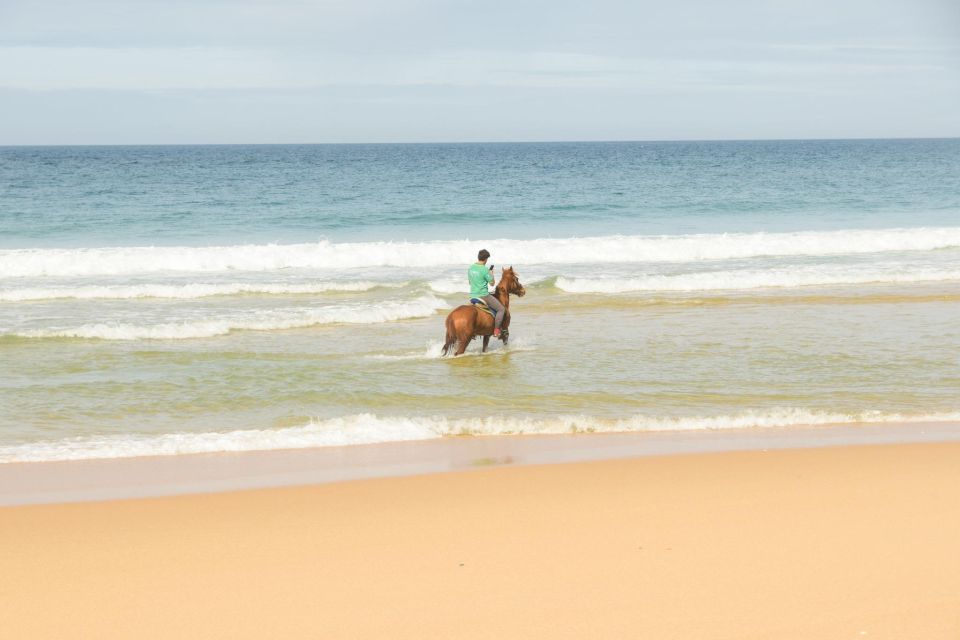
(467, 322)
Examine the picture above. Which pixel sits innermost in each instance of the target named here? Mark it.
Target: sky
(315, 71)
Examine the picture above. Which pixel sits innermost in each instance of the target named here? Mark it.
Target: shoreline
(24, 483)
(831, 542)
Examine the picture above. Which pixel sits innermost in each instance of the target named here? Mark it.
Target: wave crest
(182, 291)
(254, 321)
(755, 279)
(603, 249)
(369, 428)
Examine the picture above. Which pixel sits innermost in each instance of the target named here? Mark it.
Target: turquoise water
(199, 195)
(178, 299)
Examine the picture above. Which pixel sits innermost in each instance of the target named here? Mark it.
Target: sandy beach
(841, 542)
(249, 388)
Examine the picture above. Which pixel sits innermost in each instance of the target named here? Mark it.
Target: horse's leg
(449, 344)
(486, 341)
(462, 341)
(460, 325)
(465, 327)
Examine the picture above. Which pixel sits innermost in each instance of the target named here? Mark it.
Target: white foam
(449, 285)
(605, 249)
(252, 321)
(824, 275)
(434, 350)
(369, 428)
(182, 291)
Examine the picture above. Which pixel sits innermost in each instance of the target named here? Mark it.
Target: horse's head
(510, 282)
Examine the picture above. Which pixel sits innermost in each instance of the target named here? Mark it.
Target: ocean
(163, 300)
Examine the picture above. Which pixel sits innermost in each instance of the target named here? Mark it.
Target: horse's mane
(503, 277)
(500, 286)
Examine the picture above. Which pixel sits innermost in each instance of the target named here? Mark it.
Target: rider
(480, 277)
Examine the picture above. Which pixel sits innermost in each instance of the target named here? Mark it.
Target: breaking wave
(756, 279)
(181, 291)
(369, 428)
(252, 321)
(604, 249)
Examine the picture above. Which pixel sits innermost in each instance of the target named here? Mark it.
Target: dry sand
(845, 542)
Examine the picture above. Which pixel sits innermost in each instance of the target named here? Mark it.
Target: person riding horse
(480, 278)
(487, 312)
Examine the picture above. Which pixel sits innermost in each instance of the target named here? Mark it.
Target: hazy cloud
(747, 68)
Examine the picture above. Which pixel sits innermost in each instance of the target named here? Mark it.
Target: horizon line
(476, 142)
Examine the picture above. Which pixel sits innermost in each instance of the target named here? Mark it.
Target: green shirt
(479, 277)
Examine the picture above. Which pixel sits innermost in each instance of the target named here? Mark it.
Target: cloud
(217, 69)
(47, 68)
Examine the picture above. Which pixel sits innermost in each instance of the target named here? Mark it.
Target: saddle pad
(482, 306)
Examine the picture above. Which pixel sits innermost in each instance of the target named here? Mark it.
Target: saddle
(482, 306)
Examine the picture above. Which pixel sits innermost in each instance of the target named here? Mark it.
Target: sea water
(165, 300)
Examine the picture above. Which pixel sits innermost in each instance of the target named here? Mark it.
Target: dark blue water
(203, 195)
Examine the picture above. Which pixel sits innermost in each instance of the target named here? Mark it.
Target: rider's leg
(497, 307)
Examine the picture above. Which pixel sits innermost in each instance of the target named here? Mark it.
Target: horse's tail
(451, 338)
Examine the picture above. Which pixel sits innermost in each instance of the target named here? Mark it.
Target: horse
(467, 321)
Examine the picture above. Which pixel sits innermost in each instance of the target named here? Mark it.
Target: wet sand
(139, 477)
(841, 542)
